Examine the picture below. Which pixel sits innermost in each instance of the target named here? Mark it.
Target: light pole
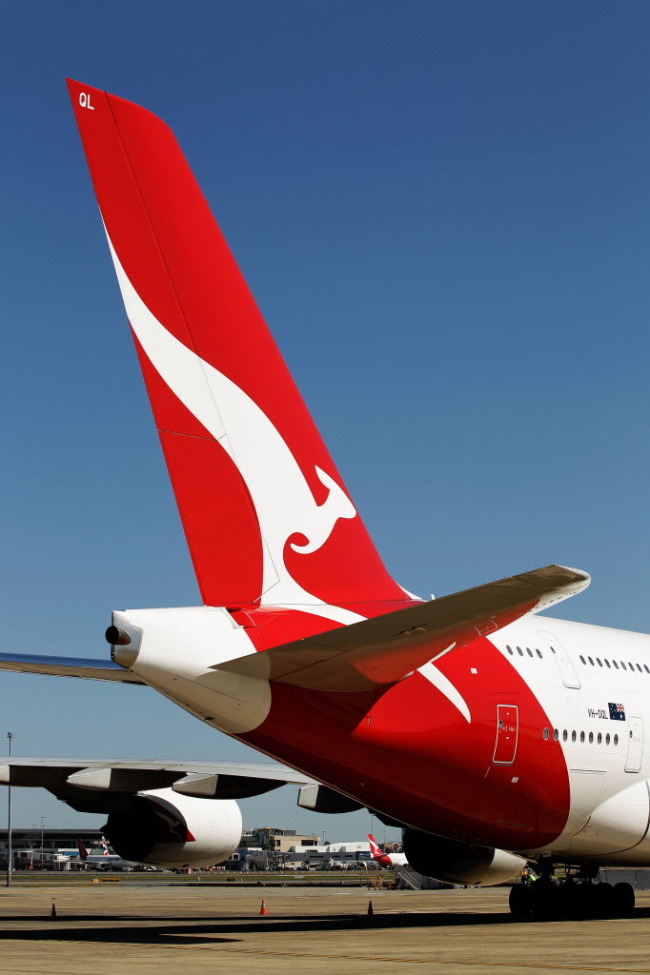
(42, 842)
(10, 851)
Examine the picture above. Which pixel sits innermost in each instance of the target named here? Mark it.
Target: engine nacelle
(166, 829)
(454, 862)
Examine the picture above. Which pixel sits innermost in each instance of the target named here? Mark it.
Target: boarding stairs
(407, 877)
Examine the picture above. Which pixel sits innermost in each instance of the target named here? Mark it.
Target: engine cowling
(455, 862)
(166, 829)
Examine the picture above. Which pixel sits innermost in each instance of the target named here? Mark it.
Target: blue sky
(442, 209)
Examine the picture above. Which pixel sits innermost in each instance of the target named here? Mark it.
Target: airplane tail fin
(83, 852)
(267, 517)
(376, 853)
(374, 846)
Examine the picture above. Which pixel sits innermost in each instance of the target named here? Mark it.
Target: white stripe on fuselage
(284, 503)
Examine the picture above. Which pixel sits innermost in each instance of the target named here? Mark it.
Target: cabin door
(505, 746)
(634, 743)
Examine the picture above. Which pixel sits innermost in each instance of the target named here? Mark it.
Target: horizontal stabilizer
(87, 667)
(387, 648)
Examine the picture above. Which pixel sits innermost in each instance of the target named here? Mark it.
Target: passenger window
(582, 659)
(607, 664)
(582, 736)
(615, 664)
(607, 739)
(556, 734)
(599, 661)
(623, 665)
(539, 654)
(565, 735)
(573, 736)
(520, 651)
(645, 667)
(616, 739)
(591, 737)
(529, 651)
(639, 668)
(509, 649)
(590, 661)
(545, 734)
(600, 738)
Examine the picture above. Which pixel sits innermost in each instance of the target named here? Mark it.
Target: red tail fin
(265, 512)
(374, 846)
(83, 852)
(376, 853)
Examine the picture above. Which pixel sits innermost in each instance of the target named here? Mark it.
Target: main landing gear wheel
(545, 898)
(623, 900)
(521, 902)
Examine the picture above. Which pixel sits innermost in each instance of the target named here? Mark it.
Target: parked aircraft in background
(104, 860)
(493, 737)
(385, 859)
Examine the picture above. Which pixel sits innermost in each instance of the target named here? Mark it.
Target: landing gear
(578, 895)
(521, 901)
(624, 899)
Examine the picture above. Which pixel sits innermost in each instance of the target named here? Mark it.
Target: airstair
(408, 878)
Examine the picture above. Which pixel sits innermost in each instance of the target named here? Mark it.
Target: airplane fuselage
(490, 733)
(528, 740)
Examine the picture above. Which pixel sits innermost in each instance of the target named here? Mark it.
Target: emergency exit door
(505, 746)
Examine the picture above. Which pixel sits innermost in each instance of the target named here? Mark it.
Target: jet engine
(455, 862)
(166, 829)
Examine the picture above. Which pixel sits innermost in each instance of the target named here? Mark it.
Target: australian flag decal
(616, 712)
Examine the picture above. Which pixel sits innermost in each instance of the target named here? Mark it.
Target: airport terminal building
(37, 848)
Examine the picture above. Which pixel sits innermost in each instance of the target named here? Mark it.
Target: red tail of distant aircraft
(491, 735)
(384, 859)
(104, 859)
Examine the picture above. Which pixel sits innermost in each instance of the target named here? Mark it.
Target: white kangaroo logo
(283, 500)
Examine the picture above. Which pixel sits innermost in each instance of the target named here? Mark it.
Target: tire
(520, 901)
(605, 901)
(624, 900)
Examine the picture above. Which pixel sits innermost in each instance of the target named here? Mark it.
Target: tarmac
(112, 928)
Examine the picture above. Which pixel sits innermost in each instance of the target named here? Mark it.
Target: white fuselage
(577, 672)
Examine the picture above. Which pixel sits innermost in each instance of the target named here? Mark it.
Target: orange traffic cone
(263, 909)
(53, 912)
(371, 912)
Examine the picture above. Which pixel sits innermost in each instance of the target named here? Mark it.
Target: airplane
(494, 738)
(385, 859)
(104, 860)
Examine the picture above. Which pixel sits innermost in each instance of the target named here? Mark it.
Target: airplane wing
(97, 785)
(88, 668)
(384, 649)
